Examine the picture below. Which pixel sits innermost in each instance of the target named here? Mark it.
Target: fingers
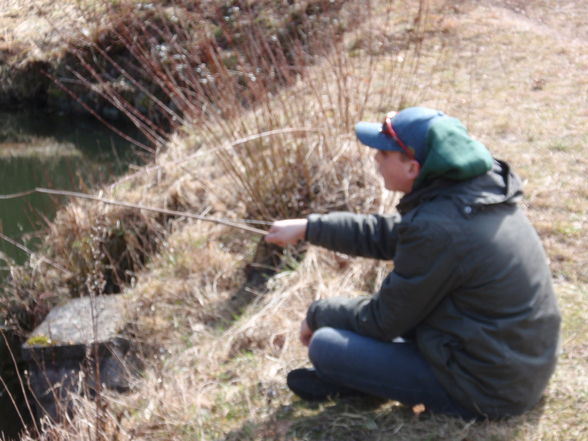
(286, 232)
(305, 333)
(275, 236)
(305, 340)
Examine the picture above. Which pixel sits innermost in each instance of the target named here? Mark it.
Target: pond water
(51, 150)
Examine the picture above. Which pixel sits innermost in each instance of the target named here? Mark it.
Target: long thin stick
(152, 209)
(75, 194)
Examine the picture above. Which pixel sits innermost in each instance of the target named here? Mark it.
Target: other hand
(305, 333)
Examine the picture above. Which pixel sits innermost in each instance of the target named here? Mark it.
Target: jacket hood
(499, 185)
(452, 153)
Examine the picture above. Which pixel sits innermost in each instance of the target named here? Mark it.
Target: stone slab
(82, 321)
(79, 345)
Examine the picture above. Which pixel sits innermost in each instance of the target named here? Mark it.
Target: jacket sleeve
(372, 236)
(425, 271)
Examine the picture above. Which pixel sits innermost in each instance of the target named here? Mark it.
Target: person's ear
(414, 168)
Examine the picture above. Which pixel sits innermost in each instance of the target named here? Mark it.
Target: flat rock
(81, 321)
(79, 348)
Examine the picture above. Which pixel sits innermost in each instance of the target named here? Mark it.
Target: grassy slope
(518, 82)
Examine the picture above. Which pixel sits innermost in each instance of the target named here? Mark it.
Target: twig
(30, 252)
(22, 387)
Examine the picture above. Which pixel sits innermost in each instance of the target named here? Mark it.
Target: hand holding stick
(286, 232)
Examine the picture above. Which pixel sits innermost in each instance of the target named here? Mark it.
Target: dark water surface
(57, 151)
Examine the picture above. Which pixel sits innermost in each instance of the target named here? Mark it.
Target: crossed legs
(390, 370)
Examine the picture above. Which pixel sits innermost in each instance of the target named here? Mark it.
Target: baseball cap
(405, 131)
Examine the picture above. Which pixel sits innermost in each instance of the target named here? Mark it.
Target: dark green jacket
(470, 283)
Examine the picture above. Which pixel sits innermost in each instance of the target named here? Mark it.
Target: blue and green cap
(405, 131)
(440, 144)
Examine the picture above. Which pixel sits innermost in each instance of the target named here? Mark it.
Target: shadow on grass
(376, 420)
(267, 261)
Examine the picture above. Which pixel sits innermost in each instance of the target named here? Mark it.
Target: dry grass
(28, 29)
(519, 85)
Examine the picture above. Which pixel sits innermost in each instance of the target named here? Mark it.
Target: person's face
(397, 170)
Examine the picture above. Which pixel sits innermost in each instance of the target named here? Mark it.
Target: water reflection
(40, 149)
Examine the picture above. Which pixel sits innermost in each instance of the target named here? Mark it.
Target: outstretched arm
(367, 235)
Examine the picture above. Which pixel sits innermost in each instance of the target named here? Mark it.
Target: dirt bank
(91, 56)
(35, 35)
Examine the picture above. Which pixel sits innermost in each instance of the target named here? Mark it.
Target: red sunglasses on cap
(389, 130)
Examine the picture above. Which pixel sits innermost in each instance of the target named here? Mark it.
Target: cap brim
(371, 135)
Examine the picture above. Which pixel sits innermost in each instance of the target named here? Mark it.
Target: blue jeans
(385, 369)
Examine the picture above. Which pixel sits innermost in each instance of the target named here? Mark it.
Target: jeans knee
(320, 349)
